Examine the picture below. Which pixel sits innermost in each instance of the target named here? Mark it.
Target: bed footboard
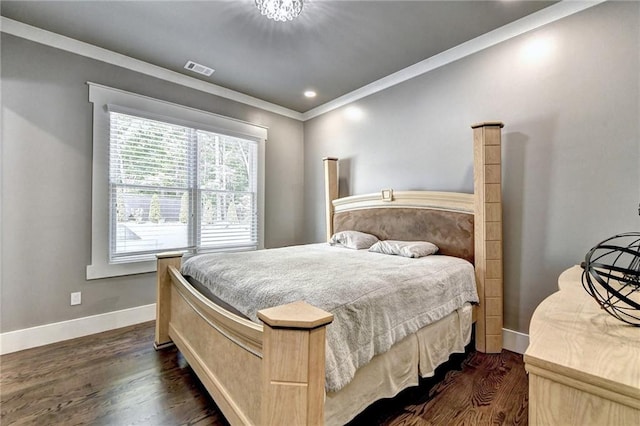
(267, 375)
(293, 364)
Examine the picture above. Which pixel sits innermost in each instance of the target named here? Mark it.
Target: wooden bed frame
(273, 374)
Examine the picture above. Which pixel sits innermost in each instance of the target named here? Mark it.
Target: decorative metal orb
(612, 276)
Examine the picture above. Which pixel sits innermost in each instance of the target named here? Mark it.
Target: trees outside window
(169, 177)
(179, 188)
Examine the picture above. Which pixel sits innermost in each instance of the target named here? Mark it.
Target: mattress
(377, 300)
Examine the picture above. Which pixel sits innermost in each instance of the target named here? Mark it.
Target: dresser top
(571, 335)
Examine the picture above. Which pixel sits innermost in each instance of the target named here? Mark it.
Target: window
(168, 177)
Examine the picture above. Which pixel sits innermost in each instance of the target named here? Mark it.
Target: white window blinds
(176, 187)
(170, 177)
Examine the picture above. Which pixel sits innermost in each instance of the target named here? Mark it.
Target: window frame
(104, 99)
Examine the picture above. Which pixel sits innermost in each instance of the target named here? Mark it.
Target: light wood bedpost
(293, 364)
(488, 233)
(163, 302)
(330, 190)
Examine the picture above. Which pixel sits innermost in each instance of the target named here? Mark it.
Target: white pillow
(404, 248)
(353, 240)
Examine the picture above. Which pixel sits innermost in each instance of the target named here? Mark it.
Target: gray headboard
(445, 219)
(452, 232)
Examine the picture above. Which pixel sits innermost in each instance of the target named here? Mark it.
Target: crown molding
(528, 23)
(68, 44)
(538, 19)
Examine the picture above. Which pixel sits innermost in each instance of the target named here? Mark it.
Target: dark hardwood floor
(117, 378)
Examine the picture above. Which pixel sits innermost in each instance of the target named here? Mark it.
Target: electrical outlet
(76, 298)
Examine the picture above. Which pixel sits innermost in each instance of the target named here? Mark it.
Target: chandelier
(280, 10)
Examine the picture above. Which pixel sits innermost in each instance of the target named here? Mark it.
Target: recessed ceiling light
(199, 68)
(310, 94)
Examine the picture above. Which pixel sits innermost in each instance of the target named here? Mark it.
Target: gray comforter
(376, 299)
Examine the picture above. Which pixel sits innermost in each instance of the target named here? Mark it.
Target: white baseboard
(514, 341)
(18, 340)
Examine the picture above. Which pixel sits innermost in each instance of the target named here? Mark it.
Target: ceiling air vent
(200, 69)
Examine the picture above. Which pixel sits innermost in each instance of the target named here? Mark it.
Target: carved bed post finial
(487, 182)
(330, 190)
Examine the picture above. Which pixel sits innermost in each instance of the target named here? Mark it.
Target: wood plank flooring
(117, 378)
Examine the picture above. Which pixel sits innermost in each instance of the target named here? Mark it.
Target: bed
(274, 372)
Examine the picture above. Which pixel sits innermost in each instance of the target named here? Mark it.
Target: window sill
(108, 270)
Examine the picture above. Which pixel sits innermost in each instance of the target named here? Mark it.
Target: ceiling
(333, 47)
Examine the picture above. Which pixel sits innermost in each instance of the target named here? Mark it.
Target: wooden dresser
(583, 364)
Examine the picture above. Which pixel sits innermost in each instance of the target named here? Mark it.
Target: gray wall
(571, 158)
(46, 182)
(571, 145)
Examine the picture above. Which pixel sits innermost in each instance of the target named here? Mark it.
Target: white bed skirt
(387, 374)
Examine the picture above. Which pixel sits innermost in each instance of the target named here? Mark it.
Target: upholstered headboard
(409, 216)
